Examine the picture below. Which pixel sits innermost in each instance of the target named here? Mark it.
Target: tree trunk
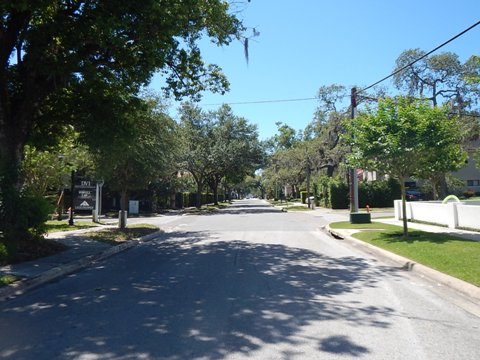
(443, 188)
(215, 193)
(404, 208)
(330, 170)
(434, 187)
(13, 221)
(198, 200)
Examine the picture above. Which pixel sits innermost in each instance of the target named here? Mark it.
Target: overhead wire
(420, 58)
(264, 101)
(365, 88)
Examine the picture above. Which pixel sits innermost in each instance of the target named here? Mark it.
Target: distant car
(414, 195)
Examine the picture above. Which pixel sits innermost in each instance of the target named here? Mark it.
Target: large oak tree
(55, 54)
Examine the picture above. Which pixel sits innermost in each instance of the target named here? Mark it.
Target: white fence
(452, 214)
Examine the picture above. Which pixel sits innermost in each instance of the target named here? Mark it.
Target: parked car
(414, 195)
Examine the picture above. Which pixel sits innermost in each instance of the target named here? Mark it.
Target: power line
(364, 89)
(264, 101)
(420, 58)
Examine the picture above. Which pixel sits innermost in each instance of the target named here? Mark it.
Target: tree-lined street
(86, 129)
(249, 281)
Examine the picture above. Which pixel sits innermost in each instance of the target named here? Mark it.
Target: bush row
(334, 193)
(188, 199)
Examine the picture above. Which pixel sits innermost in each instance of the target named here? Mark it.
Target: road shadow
(342, 345)
(193, 298)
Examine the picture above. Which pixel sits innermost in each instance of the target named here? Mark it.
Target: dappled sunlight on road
(196, 300)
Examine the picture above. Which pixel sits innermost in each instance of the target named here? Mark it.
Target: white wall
(452, 214)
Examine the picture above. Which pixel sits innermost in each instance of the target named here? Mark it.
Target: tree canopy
(438, 77)
(217, 145)
(135, 158)
(404, 137)
(72, 62)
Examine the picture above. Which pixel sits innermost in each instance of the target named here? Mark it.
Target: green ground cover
(116, 235)
(446, 253)
(205, 209)
(7, 279)
(57, 226)
(298, 208)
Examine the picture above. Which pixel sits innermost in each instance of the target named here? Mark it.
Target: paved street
(248, 282)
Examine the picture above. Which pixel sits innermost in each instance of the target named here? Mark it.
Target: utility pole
(353, 171)
(307, 162)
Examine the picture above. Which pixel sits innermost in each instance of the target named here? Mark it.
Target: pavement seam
(22, 286)
(461, 286)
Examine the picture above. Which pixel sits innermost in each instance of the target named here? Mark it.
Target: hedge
(303, 196)
(338, 194)
(188, 199)
(380, 193)
(334, 193)
(179, 200)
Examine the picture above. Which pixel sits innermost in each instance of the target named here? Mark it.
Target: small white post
(452, 217)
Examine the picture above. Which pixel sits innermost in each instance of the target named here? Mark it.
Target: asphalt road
(247, 282)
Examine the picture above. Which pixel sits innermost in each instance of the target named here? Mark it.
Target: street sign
(84, 195)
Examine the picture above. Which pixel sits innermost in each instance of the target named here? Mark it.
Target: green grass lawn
(116, 235)
(206, 209)
(449, 254)
(279, 202)
(298, 208)
(57, 226)
(7, 279)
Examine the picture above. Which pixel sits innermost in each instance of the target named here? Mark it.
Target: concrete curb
(20, 287)
(461, 286)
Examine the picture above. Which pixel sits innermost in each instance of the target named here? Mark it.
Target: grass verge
(446, 253)
(116, 235)
(7, 279)
(57, 226)
(206, 209)
(298, 208)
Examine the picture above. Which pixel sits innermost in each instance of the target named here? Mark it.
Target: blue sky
(306, 44)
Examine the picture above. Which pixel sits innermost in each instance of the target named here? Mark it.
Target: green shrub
(35, 210)
(179, 199)
(303, 196)
(192, 199)
(3, 254)
(338, 194)
(322, 195)
(207, 198)
(334, 193)
(380, 193)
